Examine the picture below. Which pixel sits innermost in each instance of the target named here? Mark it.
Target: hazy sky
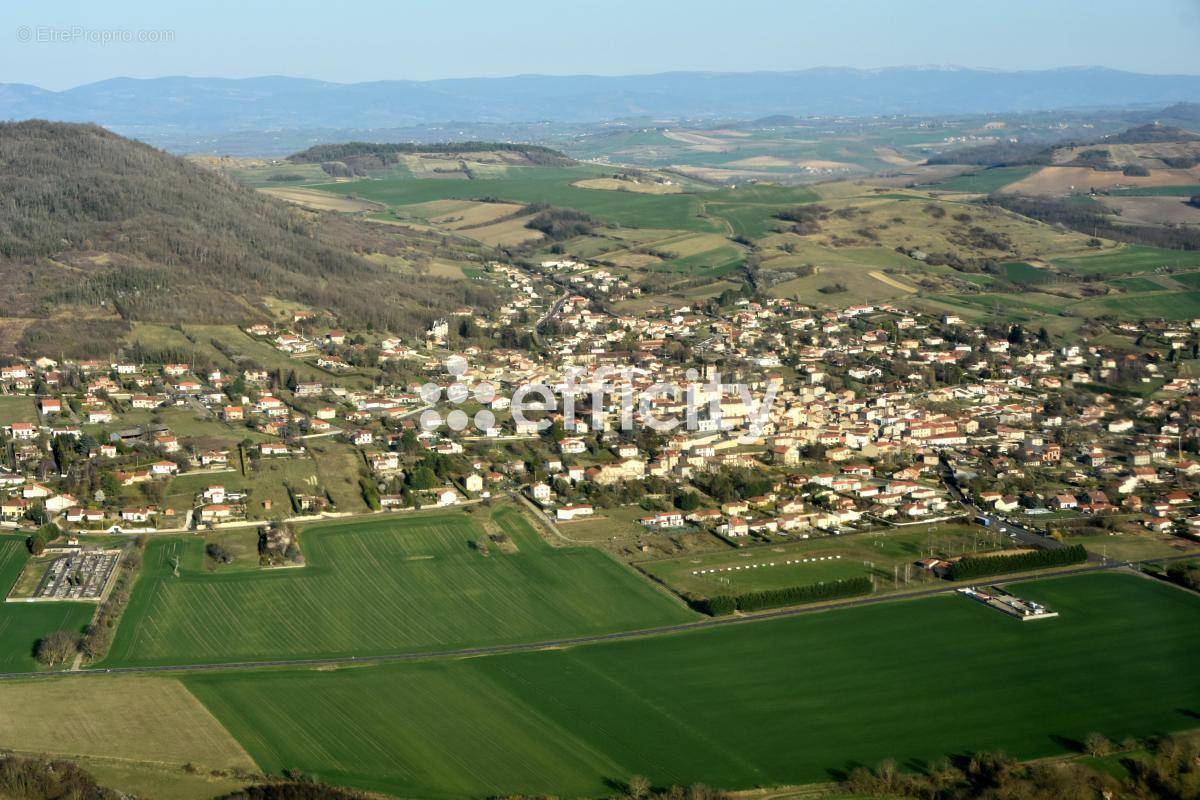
(421, 39)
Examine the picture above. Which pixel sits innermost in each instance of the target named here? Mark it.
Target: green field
(1184, 190)
(22, 624)
(985, 182)
(781, 702)
(1129, 259)
(1026, 274)
(1168, 305)
(1136, 284)
(17, 408)
(542, 185)
(396, 584)
(1190, 279)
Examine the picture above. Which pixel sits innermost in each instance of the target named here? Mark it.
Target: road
(554, 309)
(1012, 529)
(550, 644)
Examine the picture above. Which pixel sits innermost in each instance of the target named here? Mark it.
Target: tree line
(981, 566)
(721, 605)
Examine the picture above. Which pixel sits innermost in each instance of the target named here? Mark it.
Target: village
(873, 409)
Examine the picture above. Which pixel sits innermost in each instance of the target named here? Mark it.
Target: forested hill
(90, 220)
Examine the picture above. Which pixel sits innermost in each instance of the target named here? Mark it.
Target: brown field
(469, 214)
(320, 201)
(761, 162)
(620, 185)
(1155, 209)
(699, 142)
(507, 232)
(890, 155)
(134, 719)
(890, 281)
(1064, 180)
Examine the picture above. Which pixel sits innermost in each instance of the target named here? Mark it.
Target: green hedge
(968, 568)
(721, 605)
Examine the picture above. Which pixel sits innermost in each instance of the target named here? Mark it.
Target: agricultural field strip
(685, 707)
(552, 644)
(376, 588)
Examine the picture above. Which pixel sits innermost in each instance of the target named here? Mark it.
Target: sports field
(781, 702)
(824, 558)
(404, 583)
(22, 624)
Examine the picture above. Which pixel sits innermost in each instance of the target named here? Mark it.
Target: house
(142, 514)
(214, 458)
(566, 513)
(233, 413)
(13, 508)
(447, 497)
(35, 491)
(473, 483)
(59, 502)
(168, 443)
(384, 462)
(667, 519)
(100, 416)
(163, 468)
(23, 430)
(78, 515)
(540, 492)
(50, 405)
(1065, 502)
(270, 449)
(736, 527)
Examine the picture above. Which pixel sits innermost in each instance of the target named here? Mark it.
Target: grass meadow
(394, 584)
(786, 701)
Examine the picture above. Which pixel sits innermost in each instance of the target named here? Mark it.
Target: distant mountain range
(215, 105)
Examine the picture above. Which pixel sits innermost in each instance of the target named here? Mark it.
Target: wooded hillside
(97, 222)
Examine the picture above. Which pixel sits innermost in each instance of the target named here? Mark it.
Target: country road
(643, 633)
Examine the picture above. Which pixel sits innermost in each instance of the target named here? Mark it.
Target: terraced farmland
(781, 702)
(388, 585)
(22, 624)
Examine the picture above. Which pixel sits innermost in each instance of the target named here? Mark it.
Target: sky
(66, 43)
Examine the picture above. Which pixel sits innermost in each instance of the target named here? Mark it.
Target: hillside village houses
(867, 401)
